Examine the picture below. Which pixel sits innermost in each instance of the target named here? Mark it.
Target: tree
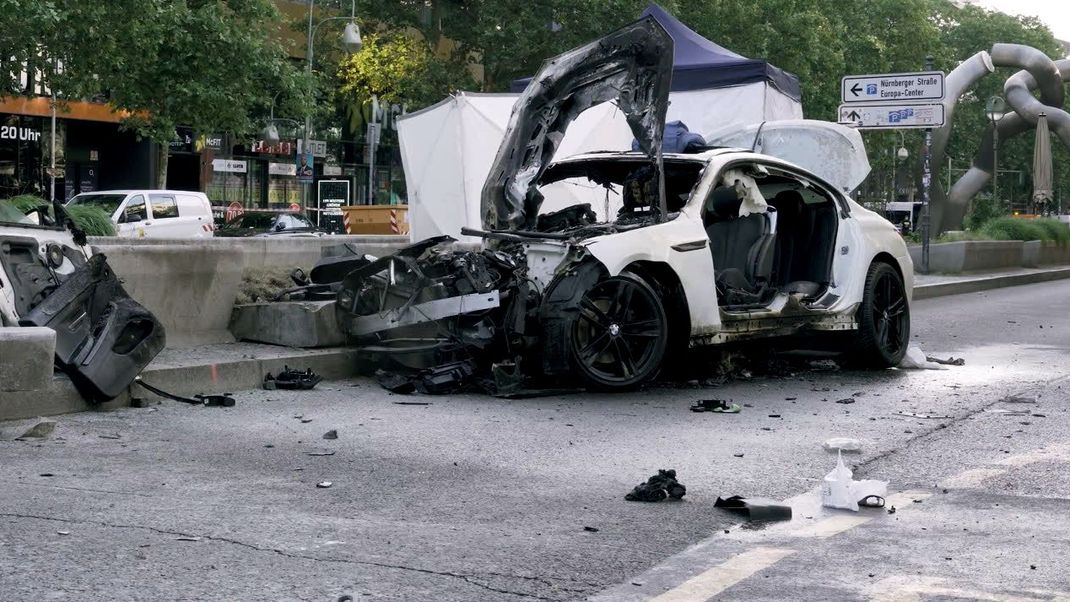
(206, 64)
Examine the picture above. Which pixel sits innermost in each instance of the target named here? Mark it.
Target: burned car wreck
(48, 278)
(672, 250)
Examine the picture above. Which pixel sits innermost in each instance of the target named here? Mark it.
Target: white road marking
(1054, 453)
(723, 576)
(830, 526)
(904, 588)
(971, 478)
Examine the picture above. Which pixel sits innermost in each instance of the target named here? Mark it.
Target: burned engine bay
(436, 320)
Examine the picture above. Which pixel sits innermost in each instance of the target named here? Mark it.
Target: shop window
(163, 205)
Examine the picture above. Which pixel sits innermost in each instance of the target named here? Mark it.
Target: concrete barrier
(269, 252)
(189, 288)
(305, 324)
(26, 357)
(979, 255)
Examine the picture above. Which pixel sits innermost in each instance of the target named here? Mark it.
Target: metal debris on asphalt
(331, 434)
(657, 488)
(324, 484)
(292, 379)
(717, 406)
(951, 361)
(320, 453)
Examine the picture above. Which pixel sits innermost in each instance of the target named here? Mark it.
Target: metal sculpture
(1038, 73)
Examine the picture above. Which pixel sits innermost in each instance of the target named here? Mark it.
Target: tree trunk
(161, 166)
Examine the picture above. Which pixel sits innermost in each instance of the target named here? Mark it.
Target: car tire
(883, 320)
(620, 335)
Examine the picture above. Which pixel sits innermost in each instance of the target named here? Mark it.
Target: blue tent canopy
(699, 64)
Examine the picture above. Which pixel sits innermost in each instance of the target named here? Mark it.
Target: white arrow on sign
(887, 116)
(893, 87)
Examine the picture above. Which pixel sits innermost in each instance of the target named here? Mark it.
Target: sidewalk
(939, 285)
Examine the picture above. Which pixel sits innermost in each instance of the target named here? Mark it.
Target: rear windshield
(107, 202)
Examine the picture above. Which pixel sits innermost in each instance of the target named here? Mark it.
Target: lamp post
(351, 40)
(995, 109)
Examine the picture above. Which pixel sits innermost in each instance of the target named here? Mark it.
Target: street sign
(893, 87)
(892, 116)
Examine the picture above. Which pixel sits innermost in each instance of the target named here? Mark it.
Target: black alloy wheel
(621, 333)
(883, 319)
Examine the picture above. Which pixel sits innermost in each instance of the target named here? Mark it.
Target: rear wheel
(620, 334)
(883, 319)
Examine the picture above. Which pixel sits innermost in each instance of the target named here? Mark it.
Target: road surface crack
(466, 578)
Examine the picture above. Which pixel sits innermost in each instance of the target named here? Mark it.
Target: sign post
(899, 101)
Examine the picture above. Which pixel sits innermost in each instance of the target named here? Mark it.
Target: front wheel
(620, 334)
(883, 319)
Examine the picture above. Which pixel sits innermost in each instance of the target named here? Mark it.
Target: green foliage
(24, 203)
(1015, 228)
(93, 220)
(984, 210)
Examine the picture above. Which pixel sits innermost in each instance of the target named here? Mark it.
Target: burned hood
(632, 66)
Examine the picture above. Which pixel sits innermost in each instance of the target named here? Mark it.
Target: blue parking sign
(871, 89)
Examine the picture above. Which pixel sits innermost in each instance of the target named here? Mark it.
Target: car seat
(740, 246)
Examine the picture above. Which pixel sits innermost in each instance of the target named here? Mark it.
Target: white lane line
(904, 588)
(723, 576)
(830, 526)
(971, 478)
(1054, 453)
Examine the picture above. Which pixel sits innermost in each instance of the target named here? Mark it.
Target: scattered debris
(738, 455)
(292, 380)
(331, 434)
(657, 488)
(591, 529)
(187, 538)
(915, 359)
(320, 453)
(755, 509)
(840, 490)
(40, 430)
(412, 403)
(774, 415)
(717, 406)
(1019, 399)
(951, 361)
(110, 436)
(891, 510)
(46, 474)
(306, 420)
(224, 400)
(63, 532)
(139, 402)
(846, 400)
(324, 484)
(843, 444)
(926, 416)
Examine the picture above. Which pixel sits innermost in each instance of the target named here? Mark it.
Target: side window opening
(807, 222)
(134, 211)
(741, 227)
(163, 206)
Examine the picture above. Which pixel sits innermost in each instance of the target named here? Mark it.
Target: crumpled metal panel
(632, 66)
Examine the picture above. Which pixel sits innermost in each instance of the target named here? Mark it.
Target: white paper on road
(915, 359)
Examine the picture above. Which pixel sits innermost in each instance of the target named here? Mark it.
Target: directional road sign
(892, 116)
(923, 86)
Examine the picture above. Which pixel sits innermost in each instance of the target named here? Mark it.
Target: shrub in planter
(1011, 228)
(94, 221)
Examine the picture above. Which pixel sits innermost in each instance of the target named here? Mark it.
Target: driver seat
(741, 246)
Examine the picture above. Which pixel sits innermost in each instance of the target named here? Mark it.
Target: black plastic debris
(657, 488)
(293, 380)
(437, 380)
(717, 406)
(331, 434)
(224, 400)
(755, 509)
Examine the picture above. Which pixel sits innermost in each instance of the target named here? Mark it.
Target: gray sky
(1054, 13)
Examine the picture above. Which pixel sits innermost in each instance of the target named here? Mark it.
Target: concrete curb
(984, 283)
(185, 379)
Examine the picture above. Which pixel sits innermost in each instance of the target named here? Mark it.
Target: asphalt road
(476, 498)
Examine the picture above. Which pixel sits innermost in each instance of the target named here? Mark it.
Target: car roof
(142, 191)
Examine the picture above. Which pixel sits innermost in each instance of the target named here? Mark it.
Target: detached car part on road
(103, 337)
(711, 247)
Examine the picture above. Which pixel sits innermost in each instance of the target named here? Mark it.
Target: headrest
(723, 203)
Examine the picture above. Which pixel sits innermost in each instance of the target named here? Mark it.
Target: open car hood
(632, 65)
(833, 152)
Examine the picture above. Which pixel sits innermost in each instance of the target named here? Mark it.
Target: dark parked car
(269, 223)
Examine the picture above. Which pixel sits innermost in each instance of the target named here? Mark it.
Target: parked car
(154, 213)
(715, 246)
(270, 223)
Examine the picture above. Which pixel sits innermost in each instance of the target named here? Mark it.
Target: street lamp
(901, 155)
(995, 109)
(350, 39)
(271, 131)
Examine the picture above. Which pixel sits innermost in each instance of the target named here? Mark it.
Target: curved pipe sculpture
(1039, 72)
